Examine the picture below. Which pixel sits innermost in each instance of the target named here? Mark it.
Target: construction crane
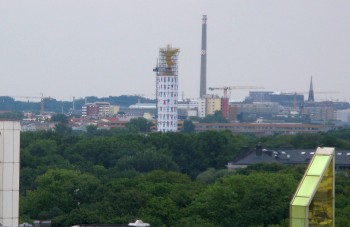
(228, 88)
(42, 98)
(318, 92)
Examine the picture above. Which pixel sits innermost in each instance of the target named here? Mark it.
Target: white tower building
(9, 172)
(167, 89)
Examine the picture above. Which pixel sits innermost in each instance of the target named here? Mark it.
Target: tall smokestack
(203, 83)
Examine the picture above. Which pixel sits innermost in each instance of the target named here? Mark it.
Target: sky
(105, 48)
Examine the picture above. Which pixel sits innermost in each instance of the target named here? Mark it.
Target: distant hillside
(53, 105)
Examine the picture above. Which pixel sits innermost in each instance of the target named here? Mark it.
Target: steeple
(311, 93)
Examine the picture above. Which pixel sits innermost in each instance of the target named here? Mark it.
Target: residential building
(98, 109)
(288, 156)
(213, 104)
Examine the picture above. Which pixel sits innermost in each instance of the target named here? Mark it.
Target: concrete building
(263, 129)
(202, 107)
(232, 116)
(167, 89)
(208, 105)
(9, 176)
(259, 96)
(258, 107)
(113, 109)
(319, 113)
(99, 109)
(288, 99)
(250, 112)
(213, 104)
(37, 126)
(343, 115)
(284, 99)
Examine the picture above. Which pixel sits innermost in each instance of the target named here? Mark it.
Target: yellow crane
(42, 98)
(228, 88)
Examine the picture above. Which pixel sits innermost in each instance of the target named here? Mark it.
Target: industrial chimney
(203, 83)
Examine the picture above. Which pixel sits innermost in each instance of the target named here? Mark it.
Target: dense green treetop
(166, 179)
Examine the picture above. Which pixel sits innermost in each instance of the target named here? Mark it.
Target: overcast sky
(109, 48)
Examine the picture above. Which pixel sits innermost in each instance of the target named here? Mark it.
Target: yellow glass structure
(313, 202)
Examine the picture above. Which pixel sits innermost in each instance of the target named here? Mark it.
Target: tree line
(53, 105)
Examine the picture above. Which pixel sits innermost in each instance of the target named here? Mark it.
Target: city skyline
(109, 48)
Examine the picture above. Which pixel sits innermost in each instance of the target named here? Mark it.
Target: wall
(9, 172)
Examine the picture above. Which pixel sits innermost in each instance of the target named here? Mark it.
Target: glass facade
(313, 202)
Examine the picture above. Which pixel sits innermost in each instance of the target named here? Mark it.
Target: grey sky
(84, 47)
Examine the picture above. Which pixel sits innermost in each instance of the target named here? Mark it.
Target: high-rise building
(208, 105)
(167, 89)
(213, 104)
(9, 172)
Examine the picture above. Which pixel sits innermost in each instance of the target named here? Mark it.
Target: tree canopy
(166, 179)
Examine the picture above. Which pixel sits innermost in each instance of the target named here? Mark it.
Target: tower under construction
(167, 89)
(203, 79)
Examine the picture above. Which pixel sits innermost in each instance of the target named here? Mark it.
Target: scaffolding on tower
(167, 88)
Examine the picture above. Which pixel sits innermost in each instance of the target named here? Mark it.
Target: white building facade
(202, 107)
(167, 89)
(9, 172)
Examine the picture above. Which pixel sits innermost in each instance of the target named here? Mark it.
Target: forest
(165, 179)
(53, 105)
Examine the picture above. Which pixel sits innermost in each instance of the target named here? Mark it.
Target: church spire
(311, 93)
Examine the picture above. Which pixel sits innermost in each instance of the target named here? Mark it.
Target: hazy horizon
(109, 48)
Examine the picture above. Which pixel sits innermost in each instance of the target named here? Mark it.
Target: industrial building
(263, 129)
(9, 176)
(167, 89)
(284, 99)
(319, 113)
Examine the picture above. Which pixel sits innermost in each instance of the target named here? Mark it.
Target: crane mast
(42, 102)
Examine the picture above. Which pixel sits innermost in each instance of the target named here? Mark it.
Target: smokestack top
(204, 19)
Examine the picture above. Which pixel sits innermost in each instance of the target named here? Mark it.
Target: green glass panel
(297, 222)
(313, 203)
(308, 186)
(298, 212)
(318, 165)
(321, 211)
(301, 201)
